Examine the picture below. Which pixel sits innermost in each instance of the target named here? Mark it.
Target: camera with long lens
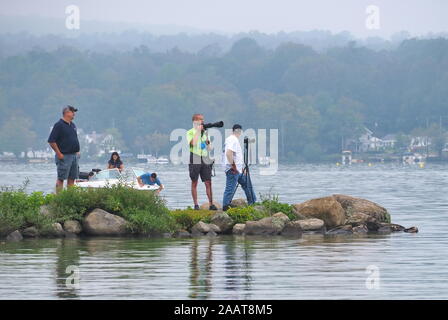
(218, 124)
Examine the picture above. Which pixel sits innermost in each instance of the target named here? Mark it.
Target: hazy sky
(270, 16)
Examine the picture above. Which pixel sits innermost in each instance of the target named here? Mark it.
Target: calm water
(410, 266)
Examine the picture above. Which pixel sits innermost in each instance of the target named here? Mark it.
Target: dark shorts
(68, 167)
(202, 169)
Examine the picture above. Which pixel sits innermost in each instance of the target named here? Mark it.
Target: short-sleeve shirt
(200, 148)
(65, 136)
(146, 179)
(232, 143)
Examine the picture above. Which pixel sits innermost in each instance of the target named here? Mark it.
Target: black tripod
(246, 172)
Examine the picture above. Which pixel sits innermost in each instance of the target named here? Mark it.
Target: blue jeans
(232, 181)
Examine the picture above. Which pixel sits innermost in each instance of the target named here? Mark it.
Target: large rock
(223, 221)
(202, 228)
(238, 203)
(30, 232)
(72, 226)
(206, 206)
(14, 236)
(281, 216)
(100, 222)
(266, 226)
(359, 210)
(312, 224)
(341, 230)
(57, 230)
(292, 229)
(327, 209)
(238, 229)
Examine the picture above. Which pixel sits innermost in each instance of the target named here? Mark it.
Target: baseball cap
(69, 108)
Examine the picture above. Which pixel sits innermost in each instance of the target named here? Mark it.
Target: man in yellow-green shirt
(200, 163)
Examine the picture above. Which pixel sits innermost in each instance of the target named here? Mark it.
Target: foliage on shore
(144, 211)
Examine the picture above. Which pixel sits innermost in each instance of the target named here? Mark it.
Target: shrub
(19, 210)
(272, 205)
(249, 213)
(186, 219)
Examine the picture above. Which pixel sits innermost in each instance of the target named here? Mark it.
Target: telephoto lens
(218, 124)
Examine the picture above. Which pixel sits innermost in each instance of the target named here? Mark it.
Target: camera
(218, 124)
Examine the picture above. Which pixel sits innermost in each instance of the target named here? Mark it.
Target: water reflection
(67, 254)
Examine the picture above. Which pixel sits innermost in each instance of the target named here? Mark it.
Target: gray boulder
(238, 203)
(360, 229)
(341, 230)
(238, 229)
(182, 234)
(14, 236)
(30, 232)
(292, 229)
(266, 226)
(202, 228)
(100, 222)
(72, 226)
(312, 224)
(57, 230)
(223, 221)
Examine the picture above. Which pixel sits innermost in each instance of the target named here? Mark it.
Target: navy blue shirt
(65, 136)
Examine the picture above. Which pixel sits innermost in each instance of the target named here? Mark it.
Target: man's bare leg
(70, 182)
(208, 190)
(59, 185)
(194, 191)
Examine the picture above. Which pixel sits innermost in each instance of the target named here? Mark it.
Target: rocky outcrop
(341, 230)
(292, 229)
(30, 232)
(238, 203)
(312, 224)
(201, 228)
(327, 209)
(100, 222)
(206, 206)
(359, 210)
(238, 229)
(57, 230)
(267, 226)
(223, 221)
(72, 226)
(182, 234)
(14, 236)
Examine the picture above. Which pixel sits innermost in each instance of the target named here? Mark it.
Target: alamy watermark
(72, 21)
(260, 141)
(373, 17)
(72, 281)
(373, 278)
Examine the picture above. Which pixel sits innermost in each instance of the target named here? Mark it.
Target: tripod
(246, 171)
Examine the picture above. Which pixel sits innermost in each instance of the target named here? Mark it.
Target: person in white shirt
(233, 161)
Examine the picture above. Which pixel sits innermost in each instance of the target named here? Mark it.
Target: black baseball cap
(69, 108)
(236, 126)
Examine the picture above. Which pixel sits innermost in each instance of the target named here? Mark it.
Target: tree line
(315, 98)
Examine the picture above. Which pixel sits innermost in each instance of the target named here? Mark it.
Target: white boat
(162, 160)
(110, 177)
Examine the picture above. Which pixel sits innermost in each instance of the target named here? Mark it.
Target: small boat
(109, 177)
(162, 160)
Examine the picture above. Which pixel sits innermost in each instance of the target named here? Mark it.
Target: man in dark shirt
(63, 140)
